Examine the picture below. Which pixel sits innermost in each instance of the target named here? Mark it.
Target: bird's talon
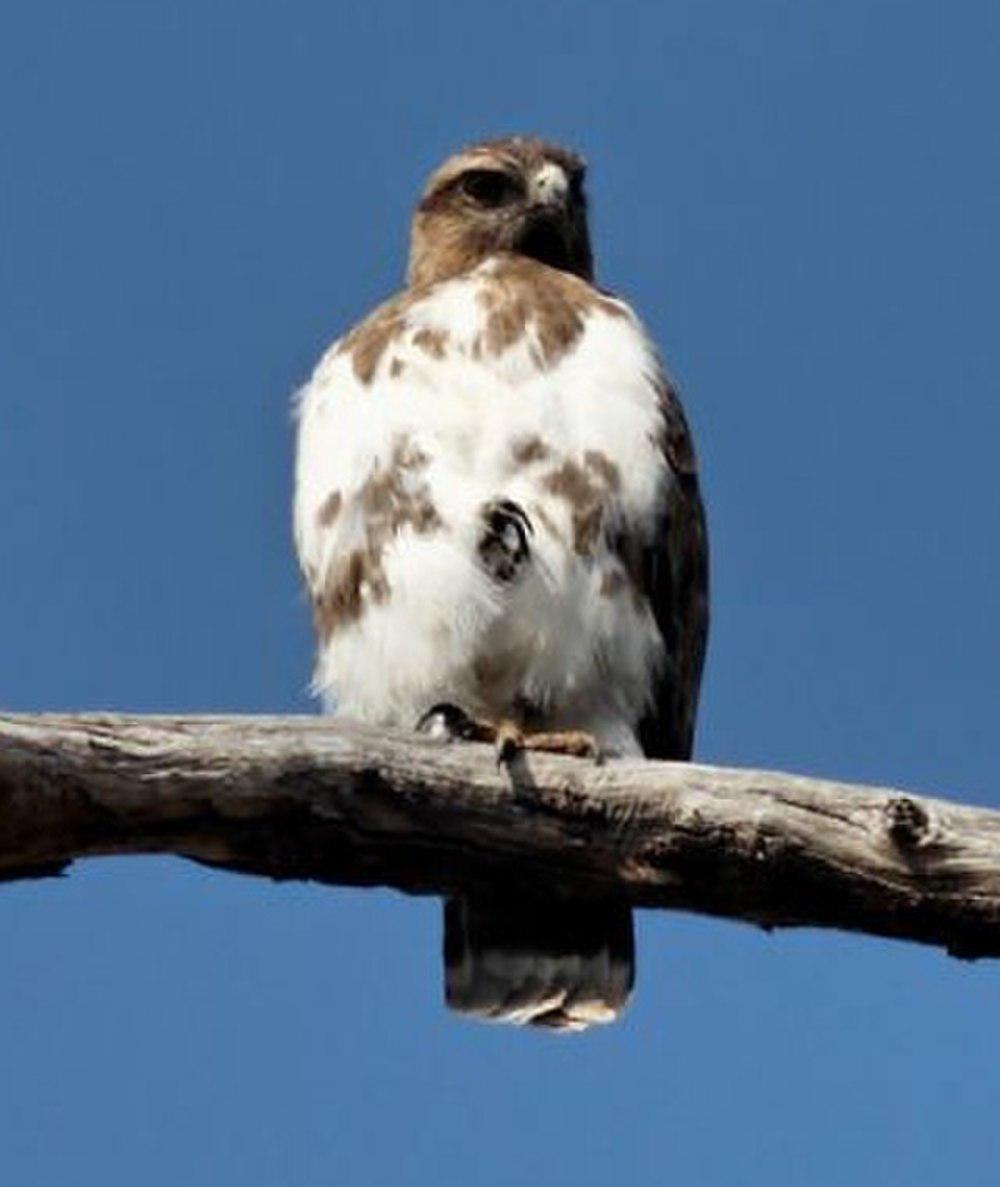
(446, 722)
(509, 743)
(507, 751)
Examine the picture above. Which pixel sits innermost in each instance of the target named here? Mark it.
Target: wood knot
(907, 821)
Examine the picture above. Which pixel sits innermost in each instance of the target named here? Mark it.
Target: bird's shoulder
(509, 315)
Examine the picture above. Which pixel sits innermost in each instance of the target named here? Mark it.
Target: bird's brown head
(519, 194)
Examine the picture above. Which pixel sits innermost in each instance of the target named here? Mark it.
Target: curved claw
(448, 721)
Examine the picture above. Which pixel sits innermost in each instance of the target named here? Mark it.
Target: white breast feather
(585, 659)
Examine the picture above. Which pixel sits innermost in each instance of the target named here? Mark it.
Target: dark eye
(488, 187)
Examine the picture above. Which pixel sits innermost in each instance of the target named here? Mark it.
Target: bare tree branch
(307, 797)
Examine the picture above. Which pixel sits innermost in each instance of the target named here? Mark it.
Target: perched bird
(498, 519)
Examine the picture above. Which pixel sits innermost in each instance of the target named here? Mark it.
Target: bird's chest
(553, 417)
(581, 462)
(514, 384)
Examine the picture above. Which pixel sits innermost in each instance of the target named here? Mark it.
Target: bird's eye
(488, 187)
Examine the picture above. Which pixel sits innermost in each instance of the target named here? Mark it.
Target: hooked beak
(548, 189)
(547, 231)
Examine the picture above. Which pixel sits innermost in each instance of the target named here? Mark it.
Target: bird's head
(518, 194)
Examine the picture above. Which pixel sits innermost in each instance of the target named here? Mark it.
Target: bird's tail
(565, 966)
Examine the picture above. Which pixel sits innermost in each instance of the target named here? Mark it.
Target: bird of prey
(498, 519)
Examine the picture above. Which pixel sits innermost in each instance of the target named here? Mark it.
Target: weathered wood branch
(306, 797)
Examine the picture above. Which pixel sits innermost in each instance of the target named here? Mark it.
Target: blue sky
(800, 199)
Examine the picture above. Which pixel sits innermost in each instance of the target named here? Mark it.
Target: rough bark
(308, 798)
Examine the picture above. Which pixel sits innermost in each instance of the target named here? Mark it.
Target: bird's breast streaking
(480, 464)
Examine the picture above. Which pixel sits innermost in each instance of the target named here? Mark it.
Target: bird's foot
(451, 722)
(503, 546)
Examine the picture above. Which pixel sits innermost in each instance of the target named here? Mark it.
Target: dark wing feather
(674, 577)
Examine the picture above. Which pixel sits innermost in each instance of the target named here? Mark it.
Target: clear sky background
(801, 199)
